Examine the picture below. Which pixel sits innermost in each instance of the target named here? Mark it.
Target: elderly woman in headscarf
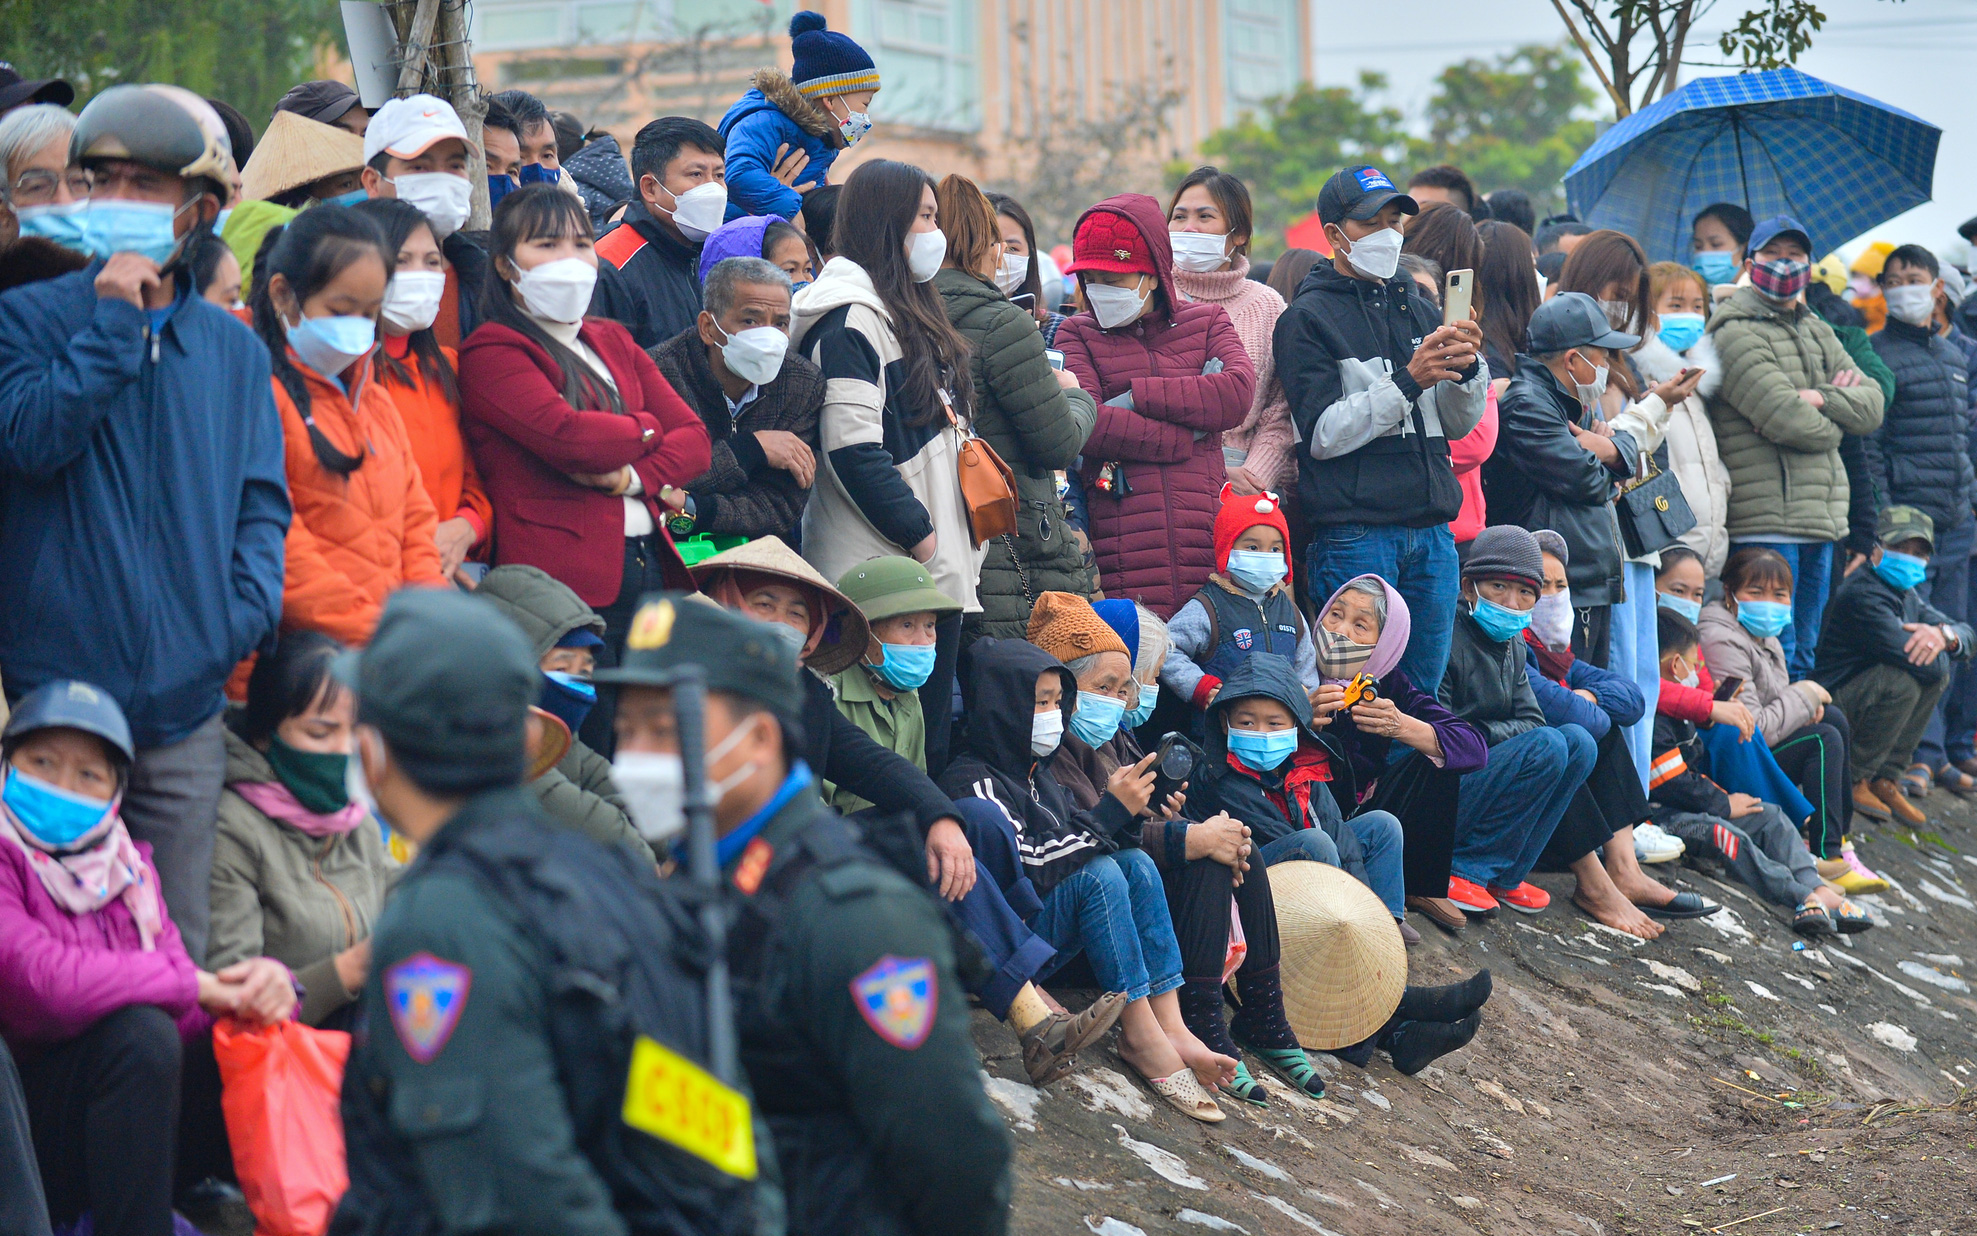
(1405, 752)
(1205, 865)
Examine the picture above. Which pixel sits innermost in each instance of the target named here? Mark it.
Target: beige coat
(1780, 705)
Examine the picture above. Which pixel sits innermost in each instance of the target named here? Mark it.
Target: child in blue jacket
(818, 109)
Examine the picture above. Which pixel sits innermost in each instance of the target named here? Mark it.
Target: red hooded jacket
(1156, 545)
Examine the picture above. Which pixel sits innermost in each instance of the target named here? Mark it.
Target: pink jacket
(1466, 455)
(1266, 433)
(1157, 544)
(60, 973)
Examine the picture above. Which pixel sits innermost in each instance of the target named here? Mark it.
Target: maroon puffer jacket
(1157, 545)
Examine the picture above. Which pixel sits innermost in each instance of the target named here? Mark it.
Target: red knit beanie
(1110, 242)
(1241, 512)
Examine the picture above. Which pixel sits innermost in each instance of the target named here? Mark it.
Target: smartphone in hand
(1728, 688)
(1456, 297)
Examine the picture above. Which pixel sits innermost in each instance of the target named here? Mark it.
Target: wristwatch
(680, 523)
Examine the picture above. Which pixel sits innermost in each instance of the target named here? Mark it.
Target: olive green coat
(1038, 427)
(278, 892)
(1783, 454)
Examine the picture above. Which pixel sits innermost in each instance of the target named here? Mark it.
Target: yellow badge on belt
(677, 1101)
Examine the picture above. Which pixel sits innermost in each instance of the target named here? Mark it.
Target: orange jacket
(354, 538)
(432, 423)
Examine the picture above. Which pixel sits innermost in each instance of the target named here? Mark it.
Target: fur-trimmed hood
(1658, 362)
(779, 92)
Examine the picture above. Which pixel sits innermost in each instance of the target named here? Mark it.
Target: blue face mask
(537, 174)
(1764, 619)
(345, 199)
(1902, 571)
(1499, 623)
(1149, 696)
(906, 666)
(1097, 718)
(331, 345)
(63, 224)
(566, 697)
(1692, 610)
(114, 225)
(52, 815)
(1255, 571)
(1680, 330)
(1717, 267)
(1262, 750)
(220, 221)
(499, 187)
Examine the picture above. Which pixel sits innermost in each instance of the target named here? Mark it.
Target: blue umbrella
(1777, 142)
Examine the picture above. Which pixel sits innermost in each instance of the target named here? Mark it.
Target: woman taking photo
(582, 444)
(1208, 223)
(1034, 416)
(897, 409)
(1024, 268)
(420, 376)
(363, 524)
(299, 869)
(1170, 377)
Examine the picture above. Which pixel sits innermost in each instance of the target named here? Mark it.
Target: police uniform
(531, 1050)
(853, 1026)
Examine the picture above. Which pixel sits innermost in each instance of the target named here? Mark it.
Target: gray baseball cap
(1574, 320)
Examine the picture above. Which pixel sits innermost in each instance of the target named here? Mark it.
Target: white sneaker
(1653, 845)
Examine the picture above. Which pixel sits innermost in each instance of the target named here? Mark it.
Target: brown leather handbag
(988, 487)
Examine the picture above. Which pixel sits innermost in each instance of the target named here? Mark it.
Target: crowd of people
(385, 597)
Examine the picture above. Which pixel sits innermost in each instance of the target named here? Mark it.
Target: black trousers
(643, 574)
(1198, 896)
(1609, 800)
(23, 1209)
(1816, 757)
(1422, 797)
(937, 694)
(104, 1108)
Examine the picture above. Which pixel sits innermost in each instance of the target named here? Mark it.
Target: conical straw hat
(1344, 965)
(297, 151)
(847, 635)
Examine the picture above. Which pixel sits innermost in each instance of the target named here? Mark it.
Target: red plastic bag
(1238, 946)
(279, 1088)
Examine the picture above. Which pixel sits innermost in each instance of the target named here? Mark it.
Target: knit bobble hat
(827, 62)
(1505, 551)
(1240, 513)
(1110, 242)
(1067, 627)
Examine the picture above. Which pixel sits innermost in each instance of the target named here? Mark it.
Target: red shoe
(1470, 896)
(1526, 898)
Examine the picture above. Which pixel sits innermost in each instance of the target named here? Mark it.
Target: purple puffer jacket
(60, 973)
(1157, 545)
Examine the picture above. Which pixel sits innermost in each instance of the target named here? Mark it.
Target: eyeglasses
(38, 186)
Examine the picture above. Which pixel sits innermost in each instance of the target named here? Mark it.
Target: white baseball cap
(406, 128)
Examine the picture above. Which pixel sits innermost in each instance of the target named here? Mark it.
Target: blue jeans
(1635, 654)
(1305, 845)
(1114, 908)
(1812, 575)
(1507, 809)
(994, 910)
(1421, 565)
(1947, 588)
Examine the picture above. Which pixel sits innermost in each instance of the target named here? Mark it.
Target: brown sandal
(1050, 1048)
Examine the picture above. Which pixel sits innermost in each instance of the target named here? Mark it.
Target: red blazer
(526, 439)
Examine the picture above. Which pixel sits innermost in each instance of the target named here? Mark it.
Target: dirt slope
(1714, 1076)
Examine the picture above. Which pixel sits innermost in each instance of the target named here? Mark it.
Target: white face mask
(558, 291)
(1198, 252)
(444, 197)
(1012, 274)
(654, 790)
(412, 301)
(1114, 306)
(356, 784)
(925, 251)
(1551, 618)
(1913, 303)
(756, 354)
(718, 790)
(699, 210)
(1376, 256)
(1046, 731)
(1590, 392)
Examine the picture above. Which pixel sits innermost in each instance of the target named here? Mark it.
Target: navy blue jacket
(143, 502)
(1920, 456)
(1620, 700)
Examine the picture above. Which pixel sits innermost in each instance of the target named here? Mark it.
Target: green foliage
(1510, 125)
(247, 52)
(1286, 154)
(1772, 35)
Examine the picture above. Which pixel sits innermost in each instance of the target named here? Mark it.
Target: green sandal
(1291, 1064)
(1246, 1088)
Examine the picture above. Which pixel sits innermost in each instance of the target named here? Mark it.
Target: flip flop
(1685, 905)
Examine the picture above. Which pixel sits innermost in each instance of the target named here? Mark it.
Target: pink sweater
(1266, 432)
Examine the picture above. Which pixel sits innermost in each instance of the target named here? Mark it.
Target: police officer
(853, 1027)
(531, 1050)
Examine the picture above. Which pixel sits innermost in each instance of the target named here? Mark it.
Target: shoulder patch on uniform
(425, 996)
(898, 997)
(753, 866)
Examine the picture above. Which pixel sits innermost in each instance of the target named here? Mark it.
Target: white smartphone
(1455, 299)
(1055, 357)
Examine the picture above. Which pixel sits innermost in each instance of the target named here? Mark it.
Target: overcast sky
(1919, 55)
